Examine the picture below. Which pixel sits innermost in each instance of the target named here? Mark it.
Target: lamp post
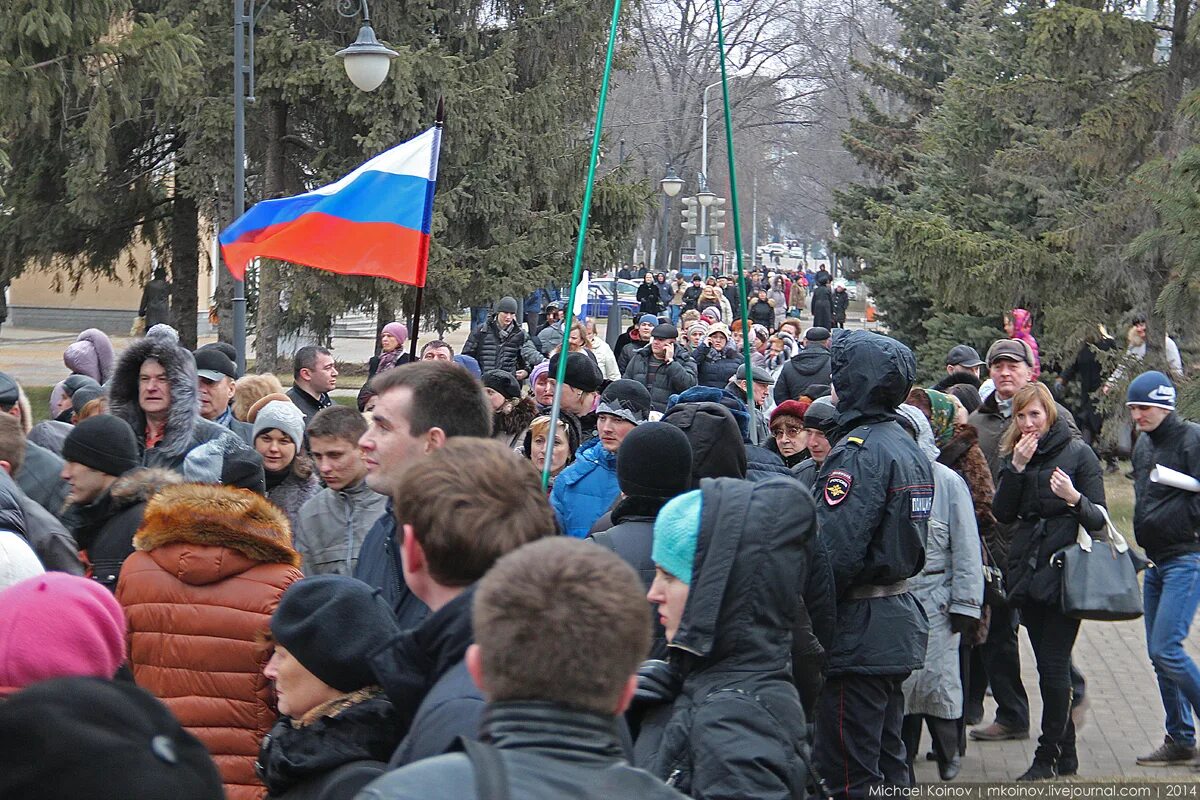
(366, 62)
(741, 73)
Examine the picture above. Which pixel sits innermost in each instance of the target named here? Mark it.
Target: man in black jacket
(314, 376)
(654, 464)
(662, 368)
(500, 343)
(38, 475)
(808, 367)
(417, 410)
(1166, 522)
(561, 627)
(457, 512)
(47, 537)
(874, 496)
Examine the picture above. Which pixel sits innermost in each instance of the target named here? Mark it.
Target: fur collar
(221, 516)
(139, 485)
(965, 436)
(516, 421)
(180, 367)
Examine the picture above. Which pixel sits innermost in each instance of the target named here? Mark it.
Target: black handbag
(994, 593)
(1099, 578)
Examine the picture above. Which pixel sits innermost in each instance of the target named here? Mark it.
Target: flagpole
(576, 272)
(737, 224)
(439, 118)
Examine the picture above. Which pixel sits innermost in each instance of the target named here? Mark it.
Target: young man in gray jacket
(334, 522)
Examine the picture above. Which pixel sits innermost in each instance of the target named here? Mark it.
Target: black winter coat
(431, 704)
(1166, 521)
(649, 298)
(762, 312)
(808, 367)
(668, 379)
(105, 527)
(39, 479)
(691, 296)
(631, 537)
(822, 307)
(715, 367)
(334, 756)
(156, 303)
(379, 566)
(509, 350)
(874, 495)
(549, 752)
(47, 537)
(735, 727)
(1044, 522)
(841, 302)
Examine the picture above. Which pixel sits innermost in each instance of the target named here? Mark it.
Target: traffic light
(691, 215)
(716, 216)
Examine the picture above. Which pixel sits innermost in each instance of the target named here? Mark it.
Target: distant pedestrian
(500, 343)
(155, 307)
(822, 303)
(391, 349)
(1165, 521)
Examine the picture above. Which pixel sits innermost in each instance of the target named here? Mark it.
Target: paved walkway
(1124, 718)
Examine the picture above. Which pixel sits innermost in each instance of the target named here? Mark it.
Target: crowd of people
(733, 583)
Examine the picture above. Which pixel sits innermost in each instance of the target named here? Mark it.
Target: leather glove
(960, 623)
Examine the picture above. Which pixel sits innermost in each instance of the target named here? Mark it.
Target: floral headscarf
(941, 416)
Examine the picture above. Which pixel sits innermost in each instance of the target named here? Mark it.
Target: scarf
(941, 417)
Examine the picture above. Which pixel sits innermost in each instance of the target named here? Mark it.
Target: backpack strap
(491, 778)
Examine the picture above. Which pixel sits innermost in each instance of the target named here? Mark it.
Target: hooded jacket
(716, 439)
(104, 528)
(1023, 330)
(585, 489)
(808, 367)
(735, 727)
(874, 496)
(91, 354)
(333, 525)
(191, 444)
(761, 463)
(668, 379)
(211, 565)
(1044, 523)
(1166, 521)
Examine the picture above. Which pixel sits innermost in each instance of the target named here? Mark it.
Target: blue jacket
(379, 565)
(585, 489)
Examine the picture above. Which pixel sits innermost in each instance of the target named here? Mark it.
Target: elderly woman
(950, 589)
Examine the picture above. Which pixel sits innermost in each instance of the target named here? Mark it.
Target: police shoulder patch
(922, 501)
(837, 486)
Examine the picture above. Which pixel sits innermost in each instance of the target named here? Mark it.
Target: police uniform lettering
(837, 486)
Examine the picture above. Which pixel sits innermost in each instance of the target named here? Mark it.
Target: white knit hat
(283, 416)
(17, 560)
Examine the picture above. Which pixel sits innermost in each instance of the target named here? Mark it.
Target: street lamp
(706, 197)
(672, 184)
(366, 61)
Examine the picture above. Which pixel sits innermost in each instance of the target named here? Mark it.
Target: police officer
(874, 495)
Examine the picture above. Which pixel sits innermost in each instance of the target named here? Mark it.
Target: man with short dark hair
(314, 376)
(807, 368)
(215, 374)
(437, 350)
(560, 629)
(500, 343)
(457, 511)
(661, 368)
(333, 523)
(417, 409)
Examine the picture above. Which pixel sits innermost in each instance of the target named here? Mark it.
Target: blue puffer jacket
(585, 489)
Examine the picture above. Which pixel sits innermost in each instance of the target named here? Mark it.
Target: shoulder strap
(491, 778)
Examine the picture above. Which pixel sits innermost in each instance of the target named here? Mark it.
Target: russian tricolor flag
(375, 221)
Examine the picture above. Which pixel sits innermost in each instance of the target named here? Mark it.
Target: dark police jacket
(874, 495)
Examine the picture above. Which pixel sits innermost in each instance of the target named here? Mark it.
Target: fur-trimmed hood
(516, 421)
(139, 485)
(162, 345)
(195, 527)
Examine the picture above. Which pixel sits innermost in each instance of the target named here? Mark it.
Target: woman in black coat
(649, 297)
(716, 361)
(1050, 483)
(762, 311)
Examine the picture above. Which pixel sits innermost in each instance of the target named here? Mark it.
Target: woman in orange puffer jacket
(212, 562)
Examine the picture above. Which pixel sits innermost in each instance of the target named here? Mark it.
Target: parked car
(600, 299)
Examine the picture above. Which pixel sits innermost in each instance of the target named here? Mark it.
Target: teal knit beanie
(676, 532)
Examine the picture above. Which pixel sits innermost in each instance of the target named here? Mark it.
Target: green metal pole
(737, 224)
(577, 271)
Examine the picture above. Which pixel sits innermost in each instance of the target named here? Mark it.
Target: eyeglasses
(786, 430)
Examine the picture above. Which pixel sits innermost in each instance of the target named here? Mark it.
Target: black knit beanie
(331, 624)
(104, 443)
(655, 460)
